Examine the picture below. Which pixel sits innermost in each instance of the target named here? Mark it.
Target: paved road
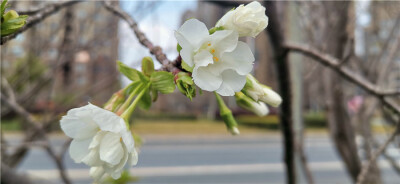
(211, 160)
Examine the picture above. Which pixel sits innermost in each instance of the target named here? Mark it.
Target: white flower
(248, 20)
(259, 92)
(100, 140)
(220, 61)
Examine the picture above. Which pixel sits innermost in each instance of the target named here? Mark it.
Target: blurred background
(69, 59)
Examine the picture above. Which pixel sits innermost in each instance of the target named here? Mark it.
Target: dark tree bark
(276, 34)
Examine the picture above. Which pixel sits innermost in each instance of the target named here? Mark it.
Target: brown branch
(345, 72)
(38, 127)
(364, 172)
(59, 163)
(168, 65)
(39, 17)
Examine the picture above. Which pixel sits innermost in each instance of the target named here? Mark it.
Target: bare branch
(334, 64)
(39, 17)
(168, 65)
(364, 172)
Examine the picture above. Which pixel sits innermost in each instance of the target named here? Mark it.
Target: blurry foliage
(152, 115)
(124, 179)
(311, 120)
(10, 124)
(26, 70)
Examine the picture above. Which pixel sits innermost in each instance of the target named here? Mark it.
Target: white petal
(203, 58)
(224, 41)
(206, 80)
(241, 59)
(108, 121)
(232, 82)
(133, 158)
(116, 170)
(96, 173)
(271, 97)
(260, 109)
(187, 55)
(79, 149)
(111, 150)
(202, 76)
(78, 123)
(194, 32)
(128, 140)
(93, 158)
(97, 139)
(226, 18)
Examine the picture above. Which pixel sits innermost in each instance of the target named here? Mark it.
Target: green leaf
(147, 66)
(163, 82)
(132, 74)
(145, 100)
(186, 67)
(3, 7)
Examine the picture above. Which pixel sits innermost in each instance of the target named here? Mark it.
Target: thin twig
(168, 65)
(334, 64)
(364, 172)
(39, 17)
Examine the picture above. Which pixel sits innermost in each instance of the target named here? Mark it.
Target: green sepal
(186, 85)
(178, 48)
(147, 66)
(186, 67)
(163, 82)
(130, 73)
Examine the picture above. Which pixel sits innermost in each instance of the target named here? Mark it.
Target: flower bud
(185, 84)
(260, 92)
(115, 101)
(247, 20)
(270, 97)
(227, 116)
(258, 108)
(10, 15)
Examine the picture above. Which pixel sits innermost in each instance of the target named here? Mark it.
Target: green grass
(10, 124)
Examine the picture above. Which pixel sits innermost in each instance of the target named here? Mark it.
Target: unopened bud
(258, 108)
(10, 15)
(227, 116)
(259, 92)
(185, 84)
(115, 101)
(271, 97)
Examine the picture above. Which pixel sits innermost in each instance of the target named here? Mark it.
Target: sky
(158, 25)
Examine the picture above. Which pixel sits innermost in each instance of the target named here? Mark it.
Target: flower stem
(129, 100)
(227, 116)
(128, 112)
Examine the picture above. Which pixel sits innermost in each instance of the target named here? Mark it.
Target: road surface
(210, 160)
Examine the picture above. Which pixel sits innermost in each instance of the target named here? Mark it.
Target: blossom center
(212, 51)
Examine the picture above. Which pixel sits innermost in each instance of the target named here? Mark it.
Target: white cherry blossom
(100, 140)
(220, 61)
(248, 20)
